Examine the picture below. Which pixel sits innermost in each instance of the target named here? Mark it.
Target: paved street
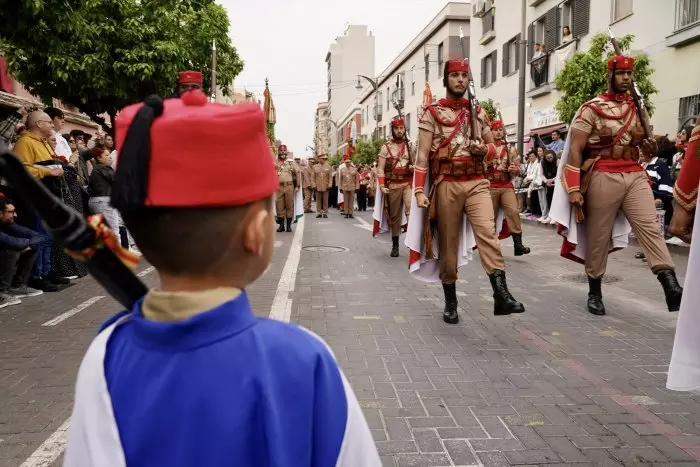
(552, 386)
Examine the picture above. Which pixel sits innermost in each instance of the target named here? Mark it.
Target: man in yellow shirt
(35, 154)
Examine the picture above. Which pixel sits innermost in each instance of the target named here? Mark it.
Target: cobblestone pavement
(552, 386)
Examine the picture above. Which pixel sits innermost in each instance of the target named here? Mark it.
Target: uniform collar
(227, 318)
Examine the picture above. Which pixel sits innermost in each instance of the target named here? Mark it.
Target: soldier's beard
(457, 94)
(393, 134)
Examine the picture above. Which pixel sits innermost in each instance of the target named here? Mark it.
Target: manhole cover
(583, 278)
(325, 248)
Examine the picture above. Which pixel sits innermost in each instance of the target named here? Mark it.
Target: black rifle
(69, 229)
(636, 94)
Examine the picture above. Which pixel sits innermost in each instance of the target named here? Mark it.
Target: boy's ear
(255, 229)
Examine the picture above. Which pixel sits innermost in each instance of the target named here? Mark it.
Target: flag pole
(213, 72)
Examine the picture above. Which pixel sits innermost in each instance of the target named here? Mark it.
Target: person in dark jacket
(18, 249)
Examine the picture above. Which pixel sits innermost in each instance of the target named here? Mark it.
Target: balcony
(687, 24)
(539, 77)
(488, 27)
(398, 95)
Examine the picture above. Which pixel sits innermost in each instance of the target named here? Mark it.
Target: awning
(543, 130)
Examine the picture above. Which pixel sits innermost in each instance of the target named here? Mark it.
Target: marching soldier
(286, 175)
(322, 184)
(349, 183)
(501, 167)
(307, 174)
(394, 175)
(602, 177)
(449, 148)
(189, 81)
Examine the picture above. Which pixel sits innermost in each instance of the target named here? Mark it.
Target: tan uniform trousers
(506, 198)
(308, 194)
(473, 198)
(399, 195)
(285, 200)
(348, 201)
(322, 202)
(607, 194)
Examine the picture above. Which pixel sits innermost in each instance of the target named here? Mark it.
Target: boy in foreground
(189, 376)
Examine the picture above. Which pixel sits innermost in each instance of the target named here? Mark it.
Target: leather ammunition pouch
(464, 165)
(616, 153)
(498, 176)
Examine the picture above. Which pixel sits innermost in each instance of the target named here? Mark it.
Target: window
(620, 9)
(427, 68)
(488, 22)
(441, 57)
(388, 98)
(687, 13)
(547, 29)
(407, 118)
(511, 56)
(413, 80)
(688, 107)
(488, 69)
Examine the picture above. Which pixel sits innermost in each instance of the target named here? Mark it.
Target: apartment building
(420, 62)
(668, 32)
(343, 130)
(351, 54)
(321, 129)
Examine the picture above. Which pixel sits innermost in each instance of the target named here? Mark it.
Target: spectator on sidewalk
(18, 250)
(557, 144)
(58, 121)
(101, 180)
(548, 175)
(35, 153)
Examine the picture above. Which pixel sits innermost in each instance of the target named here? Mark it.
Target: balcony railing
(687, 13)
(539, 72)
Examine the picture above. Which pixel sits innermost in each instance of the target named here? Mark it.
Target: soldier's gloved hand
(576, 198)
(296, 189)
(385, 190)
(422, 201)
(477, 147)
(649, 147)
(410, 168)
(681, 225)
(514, 169)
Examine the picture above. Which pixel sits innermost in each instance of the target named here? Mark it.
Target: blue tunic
(224, 388)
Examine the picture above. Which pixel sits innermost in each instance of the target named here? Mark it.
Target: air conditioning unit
(478, 8)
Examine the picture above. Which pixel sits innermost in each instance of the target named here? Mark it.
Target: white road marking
(363, 222)
(366, 227)
(278, 243)
(282, 305)
(73, 311)
(146, 271)
(50, 449)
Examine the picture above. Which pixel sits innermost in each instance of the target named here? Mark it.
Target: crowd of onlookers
(77, 168)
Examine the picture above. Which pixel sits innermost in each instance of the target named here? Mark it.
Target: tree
(490, 108)
(585, 75)
(101, 55)
(367, 151)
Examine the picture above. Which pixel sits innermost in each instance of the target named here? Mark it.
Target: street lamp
(373, 82)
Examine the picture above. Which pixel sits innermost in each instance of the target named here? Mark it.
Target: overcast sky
(287, 41)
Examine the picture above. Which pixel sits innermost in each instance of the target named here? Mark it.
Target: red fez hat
(190, 77)
(346, 158)
(496, 124)
(620, 62)
(323, 156)
(397, 122)
(160, 149)
(457, 65)
(282, 148)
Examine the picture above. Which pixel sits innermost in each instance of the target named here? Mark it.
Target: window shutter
(530, 41)
(551, 32)
(483, 75)
(494, 65)
(504, 60)
(517, 51)
(582, 14)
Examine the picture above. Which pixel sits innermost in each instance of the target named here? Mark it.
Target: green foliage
(101, 55)
(490, 108)
(585, 75)
(334, 159)
(367, 151)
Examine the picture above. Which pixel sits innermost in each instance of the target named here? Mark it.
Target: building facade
(321, 129)
(343, 130)
(667, 32)
(402, 83)
(350, 55)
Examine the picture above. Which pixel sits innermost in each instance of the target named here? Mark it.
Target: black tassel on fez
(131, 178)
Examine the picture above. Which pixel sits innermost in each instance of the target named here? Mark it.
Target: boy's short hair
(185, 240)
(53, 112)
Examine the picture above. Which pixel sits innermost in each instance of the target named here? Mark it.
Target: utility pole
(521, 76)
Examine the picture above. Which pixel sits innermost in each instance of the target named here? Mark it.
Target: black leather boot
(318, 216)
(595, 297)
(672, 289)
(450, 315)
(325, 216)
(394, 247)
(518, 247)
(280, 222)
(289, 224)
(503, 301)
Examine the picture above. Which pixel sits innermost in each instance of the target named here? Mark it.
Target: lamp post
(521, 80)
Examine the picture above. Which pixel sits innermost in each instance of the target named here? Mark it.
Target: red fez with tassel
(457, 65)
(161, 145)
(397, 122)
(620, 62)
(190, 77)
(496, 124)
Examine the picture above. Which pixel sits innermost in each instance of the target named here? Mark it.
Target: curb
(672, 247)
